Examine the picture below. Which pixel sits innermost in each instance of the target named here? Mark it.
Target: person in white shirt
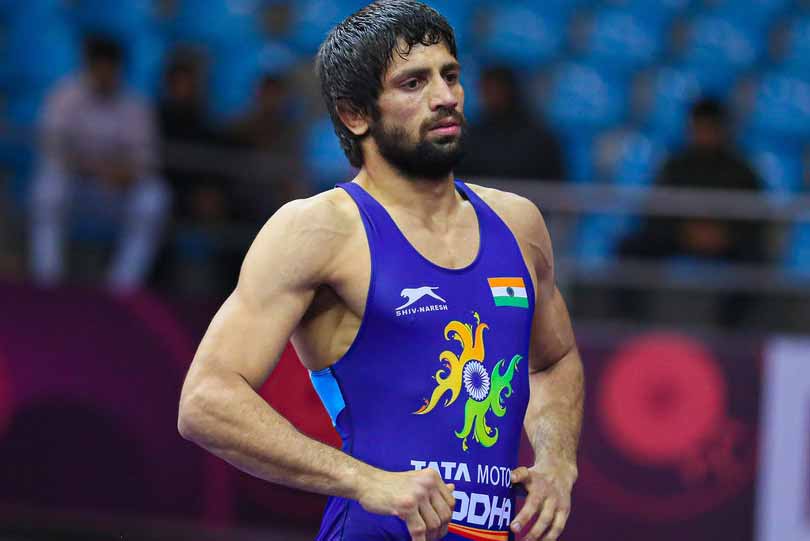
(98, 155)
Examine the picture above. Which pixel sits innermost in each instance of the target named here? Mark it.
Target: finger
(520, 475)
(444, 511)
(431, 519)
(543, 521)
(447, 494)
(531, 506)
(557, 526)
(416, 527)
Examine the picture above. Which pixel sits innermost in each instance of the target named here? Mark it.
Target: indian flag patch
(509, 292)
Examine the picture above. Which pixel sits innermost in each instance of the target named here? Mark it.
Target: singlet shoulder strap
(379, 224)
(491, 221)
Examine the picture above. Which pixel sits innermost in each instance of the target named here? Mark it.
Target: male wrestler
(424, 308)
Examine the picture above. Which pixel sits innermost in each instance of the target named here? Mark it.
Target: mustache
(447, 113)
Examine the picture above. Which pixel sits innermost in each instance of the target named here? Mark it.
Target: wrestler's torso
(330, 325)
(436, 374)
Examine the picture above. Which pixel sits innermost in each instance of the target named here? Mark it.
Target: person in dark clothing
(708, 162)
(271, 141)
(197, 262)
(508, 142)
(201, 196)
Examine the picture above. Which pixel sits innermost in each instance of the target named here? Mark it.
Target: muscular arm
(554, 415)
(219, 407)
(221, 411)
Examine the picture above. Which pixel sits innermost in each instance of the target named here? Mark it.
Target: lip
(446, 126)
(451, 129)
(446, 123)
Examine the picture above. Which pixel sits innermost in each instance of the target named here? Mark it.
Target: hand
(548, 487)
(420, 498)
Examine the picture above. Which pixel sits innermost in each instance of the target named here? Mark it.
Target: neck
(422, 197)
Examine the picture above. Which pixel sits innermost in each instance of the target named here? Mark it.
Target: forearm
(228, 418)
(553, 419)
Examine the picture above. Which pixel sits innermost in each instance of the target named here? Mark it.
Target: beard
(427, 159)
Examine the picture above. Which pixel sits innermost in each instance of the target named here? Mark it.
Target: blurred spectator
(98, 156)
(508, 141)
(709, 161)
(272, 175)
(187, 136)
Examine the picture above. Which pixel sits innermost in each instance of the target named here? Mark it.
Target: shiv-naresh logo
(484, 389)
(414, 295)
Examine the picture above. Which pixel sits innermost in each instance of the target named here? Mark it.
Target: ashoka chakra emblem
(476, 380)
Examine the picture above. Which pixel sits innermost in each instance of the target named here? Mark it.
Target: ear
(354, 119)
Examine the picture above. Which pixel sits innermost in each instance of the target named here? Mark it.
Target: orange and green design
(485, 390)
(477, 534)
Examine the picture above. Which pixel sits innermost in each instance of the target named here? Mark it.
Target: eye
(412, 84)
(452, 77)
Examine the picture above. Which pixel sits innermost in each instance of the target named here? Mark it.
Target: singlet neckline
(464, 191)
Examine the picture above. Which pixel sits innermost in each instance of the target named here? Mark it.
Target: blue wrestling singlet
(437, 376)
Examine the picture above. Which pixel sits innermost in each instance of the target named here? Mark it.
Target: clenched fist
(421, 498)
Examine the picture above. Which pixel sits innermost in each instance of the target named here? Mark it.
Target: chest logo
(414, 295)
(485, 390)
(509, 292)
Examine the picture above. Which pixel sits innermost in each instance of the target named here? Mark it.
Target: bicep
(552, 333)
(247, 338)
(276, 286)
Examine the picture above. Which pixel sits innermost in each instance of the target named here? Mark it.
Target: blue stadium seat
(578, 156)
(629, 158)
(780, 167)
(624, 157)
(719, 48)
(753, 12)
(522, 35)
(470, 80)
(217, 24)
(125, 20)
(460, 14)
(661, 12)
(324, 156)
(797, 256)
(781, 109)
(145, 58)
(236, 73)
(797, 48)
(584, 99)
(621, 41)
(313, 19)
(39, 52)
(560, 8)
(667, 95)
(33, 9)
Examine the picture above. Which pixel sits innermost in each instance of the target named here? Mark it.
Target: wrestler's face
(420, 129)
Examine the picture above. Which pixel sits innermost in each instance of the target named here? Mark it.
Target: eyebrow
(421, 72)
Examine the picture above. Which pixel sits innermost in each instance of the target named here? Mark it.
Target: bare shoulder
(301, 241)
(520, 214)
(527, 225)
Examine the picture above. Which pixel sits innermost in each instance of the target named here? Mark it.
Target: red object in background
(662, 397)
(289, 391)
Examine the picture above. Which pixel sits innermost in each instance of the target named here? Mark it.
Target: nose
(444, 96)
